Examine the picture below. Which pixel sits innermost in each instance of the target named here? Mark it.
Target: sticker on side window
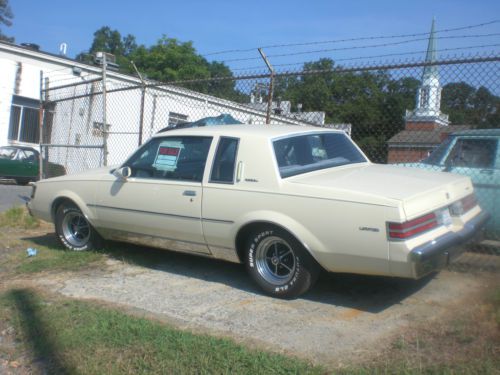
(167, 156)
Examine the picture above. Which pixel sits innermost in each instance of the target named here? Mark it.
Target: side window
(473, 153)
(171, 158)
(27, 155)
(224, 161)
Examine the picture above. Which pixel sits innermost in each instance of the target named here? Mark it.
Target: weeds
(18, 217)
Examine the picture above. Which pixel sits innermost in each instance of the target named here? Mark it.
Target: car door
(476, 157)
(28, 163)
(22, 163)
(160, 203)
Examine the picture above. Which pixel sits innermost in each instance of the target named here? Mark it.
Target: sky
(219, 25)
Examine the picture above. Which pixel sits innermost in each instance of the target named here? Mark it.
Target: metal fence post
(143, 95)
(271, 88)
(104, 107)
(40, 129)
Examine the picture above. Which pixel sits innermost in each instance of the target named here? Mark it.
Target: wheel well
(244, 232)
(57, 203)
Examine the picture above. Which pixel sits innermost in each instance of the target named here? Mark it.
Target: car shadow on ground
(365, 293)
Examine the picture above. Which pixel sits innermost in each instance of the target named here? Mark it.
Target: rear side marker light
(413, 227)
(462, 206)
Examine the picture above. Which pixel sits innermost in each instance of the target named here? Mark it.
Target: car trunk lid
(420, 191)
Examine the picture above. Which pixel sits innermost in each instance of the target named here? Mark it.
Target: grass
(54, 259)
(18, 217)
(21, 231)
(465, 342)
(68, 336)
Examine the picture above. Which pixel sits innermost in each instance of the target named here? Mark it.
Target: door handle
(189, 193)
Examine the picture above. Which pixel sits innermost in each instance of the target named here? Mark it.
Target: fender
(75, 198)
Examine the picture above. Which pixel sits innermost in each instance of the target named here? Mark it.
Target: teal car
(473, 153)
(21, 164)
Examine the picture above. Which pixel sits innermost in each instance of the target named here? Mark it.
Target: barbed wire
(350, 39)
(375, 56)
(357, 47)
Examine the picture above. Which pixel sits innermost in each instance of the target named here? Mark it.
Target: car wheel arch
(62, 199)
(250, 227)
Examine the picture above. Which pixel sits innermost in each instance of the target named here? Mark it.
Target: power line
(361, 47)
(350, 39)
(374, 57)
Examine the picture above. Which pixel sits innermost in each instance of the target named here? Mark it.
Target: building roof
(424, 137)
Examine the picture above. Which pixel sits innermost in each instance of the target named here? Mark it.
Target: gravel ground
(345, 318)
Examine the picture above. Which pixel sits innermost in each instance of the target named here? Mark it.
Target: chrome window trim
(232, 182)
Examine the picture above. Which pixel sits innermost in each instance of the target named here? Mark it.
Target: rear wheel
(23, 181)
(74, 231)
(279, 264)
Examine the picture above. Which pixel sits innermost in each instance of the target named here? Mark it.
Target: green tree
(170, 60)
(111, 41)
(467, 105)
(6, 17)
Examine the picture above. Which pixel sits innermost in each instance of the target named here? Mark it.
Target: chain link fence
(415, 113)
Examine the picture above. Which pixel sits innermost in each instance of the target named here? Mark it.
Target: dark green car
(21, 164)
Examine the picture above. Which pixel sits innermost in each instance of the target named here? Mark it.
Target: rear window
(310, 152)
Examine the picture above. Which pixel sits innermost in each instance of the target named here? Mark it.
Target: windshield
(436, 157)
(7, 152)
(310, 152)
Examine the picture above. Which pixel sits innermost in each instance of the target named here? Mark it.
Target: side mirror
(123, 173)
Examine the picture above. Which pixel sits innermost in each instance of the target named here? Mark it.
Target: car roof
(27, 148)
(253, 130)
(479, 132)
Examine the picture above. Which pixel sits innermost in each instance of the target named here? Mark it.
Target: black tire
(279, 264)
(23, 181)
(74, 231)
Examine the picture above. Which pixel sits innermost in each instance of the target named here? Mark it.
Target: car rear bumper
(436, 254)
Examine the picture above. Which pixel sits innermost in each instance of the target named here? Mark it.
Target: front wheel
(279, 264)
(74, 231)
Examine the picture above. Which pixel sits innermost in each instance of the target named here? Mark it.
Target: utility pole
(104, 107)
(271, 86)
(143, 95)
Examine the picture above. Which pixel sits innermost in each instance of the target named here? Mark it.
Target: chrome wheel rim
(76, 229)
(275, 260)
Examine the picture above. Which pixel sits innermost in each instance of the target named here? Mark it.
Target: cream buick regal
(284, 200)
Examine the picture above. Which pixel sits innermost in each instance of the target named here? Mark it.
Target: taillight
(465, 204)
(413, 227)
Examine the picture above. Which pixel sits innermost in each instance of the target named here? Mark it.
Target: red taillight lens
(413, 227)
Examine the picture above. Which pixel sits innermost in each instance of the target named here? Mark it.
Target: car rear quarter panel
(342, 236)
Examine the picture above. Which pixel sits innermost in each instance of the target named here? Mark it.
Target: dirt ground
(344, 319)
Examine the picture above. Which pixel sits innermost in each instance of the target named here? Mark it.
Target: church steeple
(429, 94)
(431, 71)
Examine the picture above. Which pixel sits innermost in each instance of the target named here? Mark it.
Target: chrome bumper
(436, 254)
